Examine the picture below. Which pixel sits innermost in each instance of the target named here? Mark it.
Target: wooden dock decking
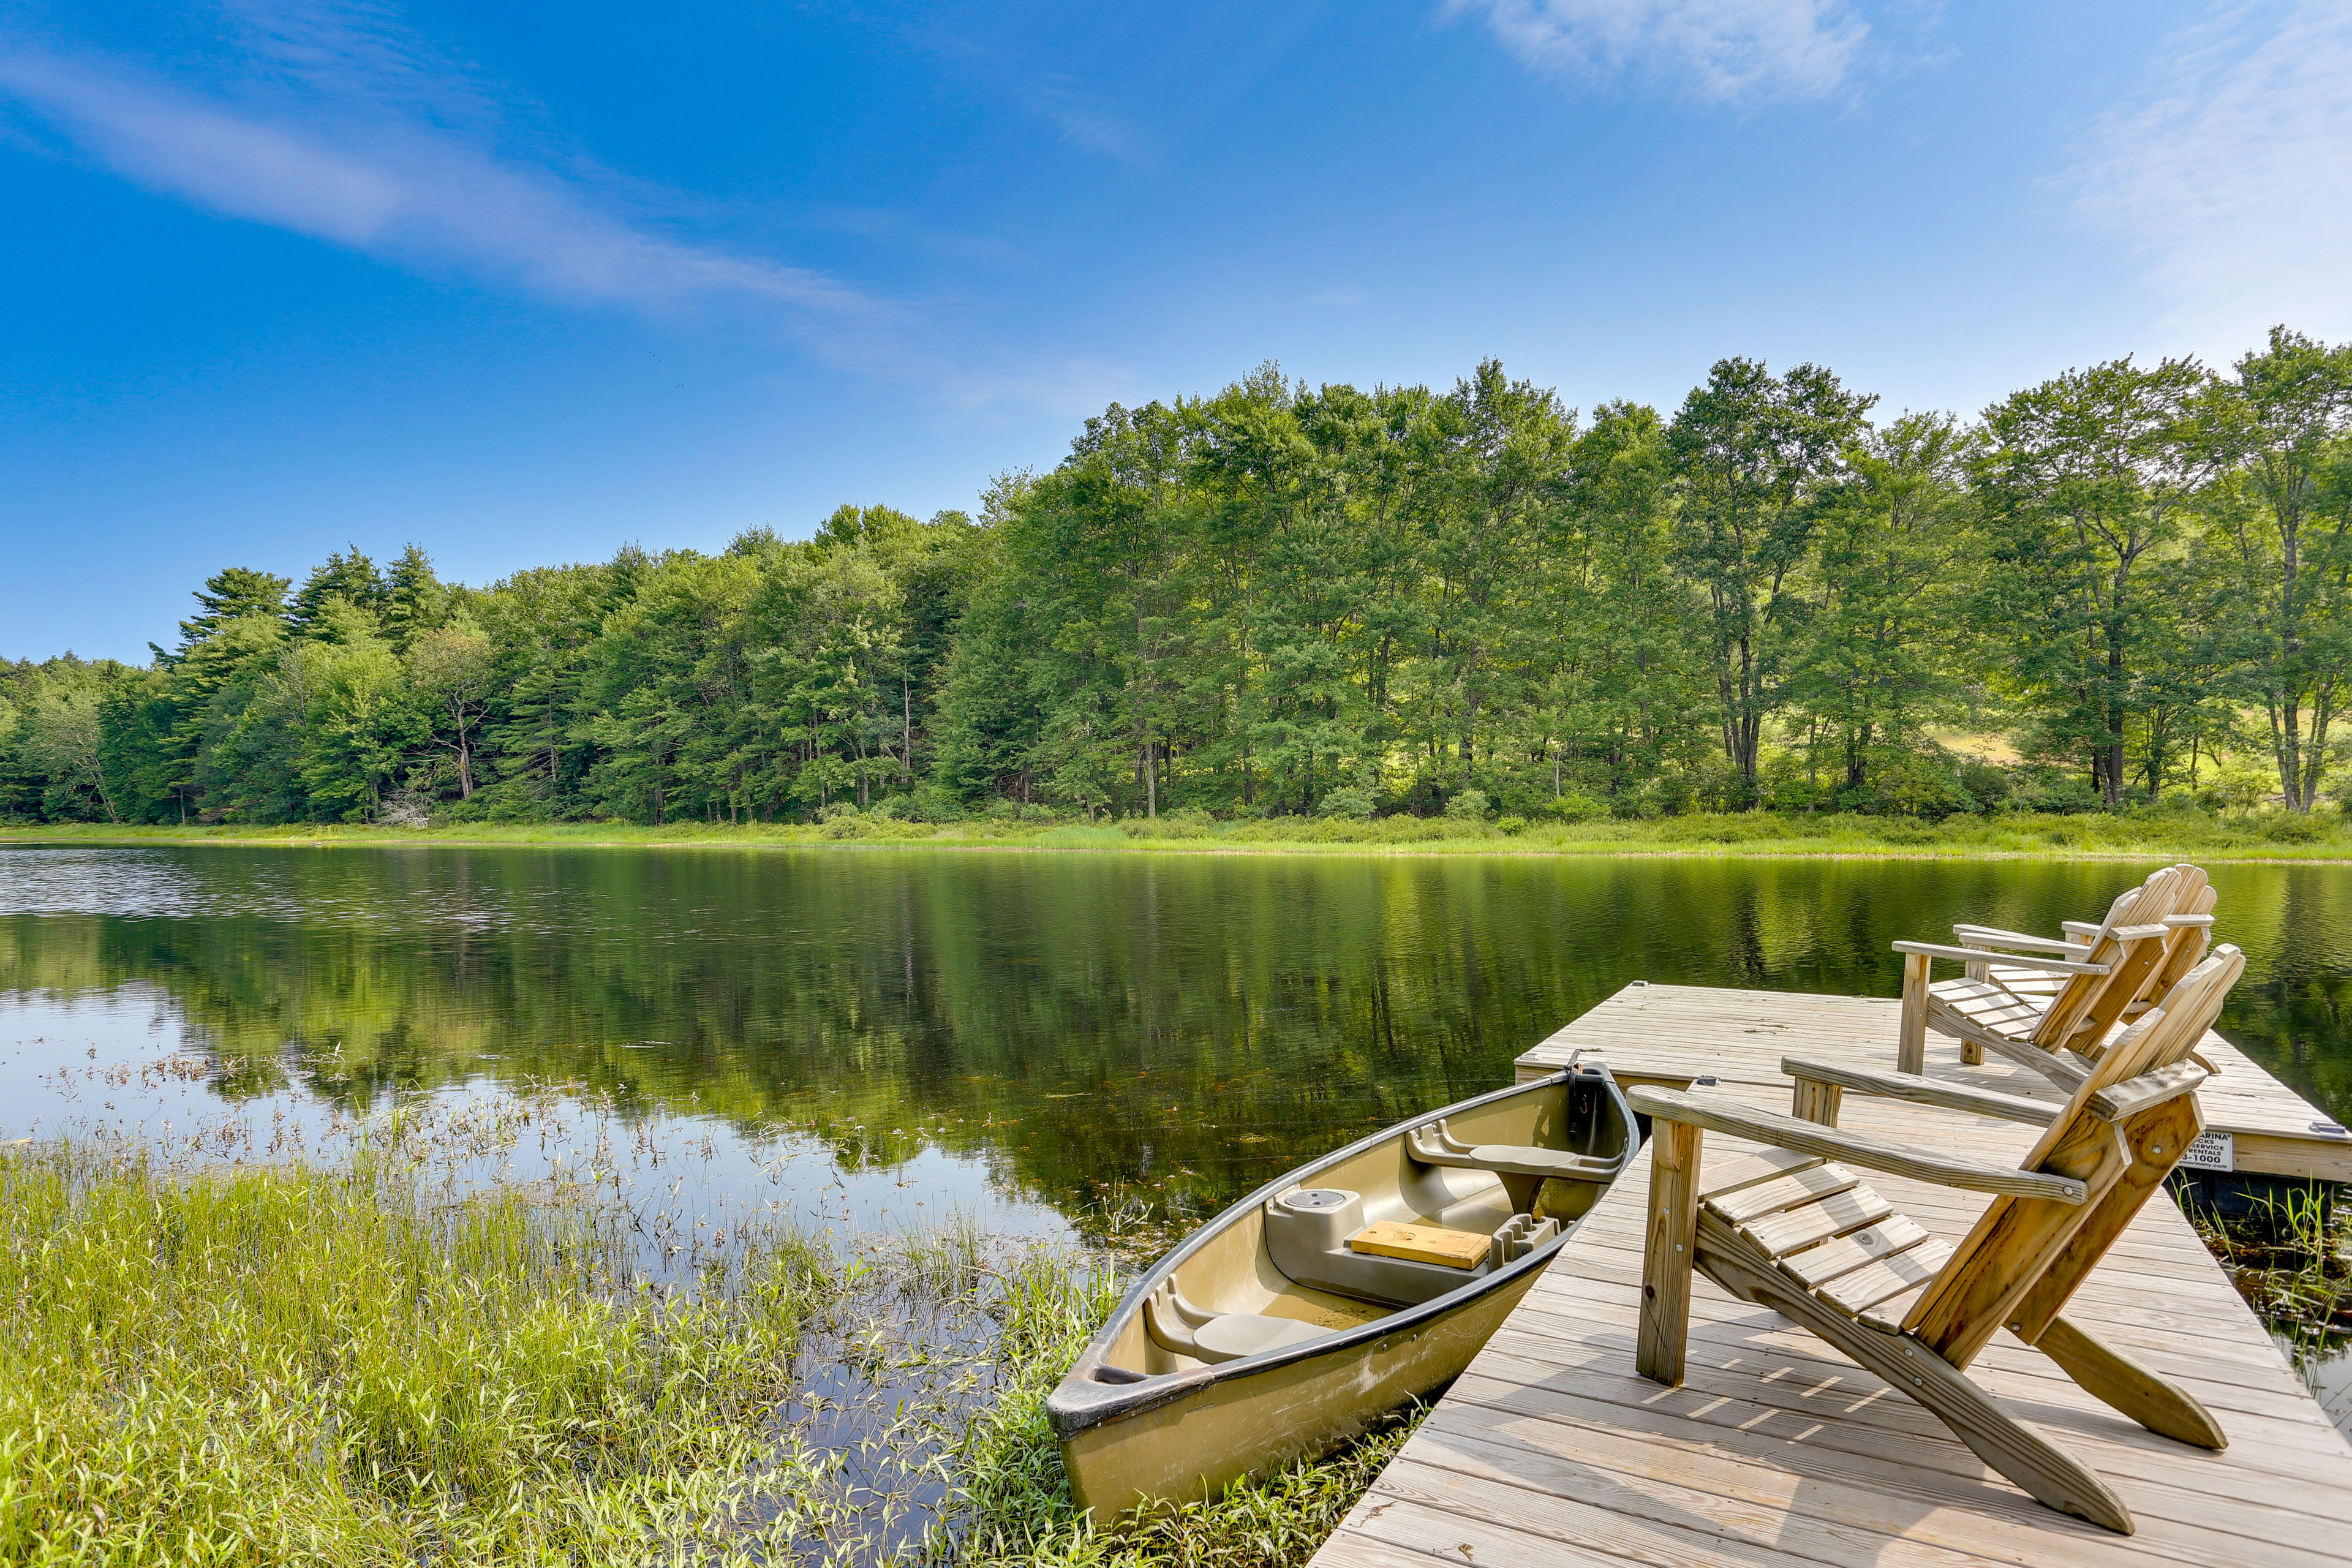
(1776, 1450)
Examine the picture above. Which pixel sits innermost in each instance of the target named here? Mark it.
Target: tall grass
(2140, 834)
(288, 1365)
(355, 1365)
(2290, 1256)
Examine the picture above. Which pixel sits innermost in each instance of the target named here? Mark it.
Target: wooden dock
(1551, 1450)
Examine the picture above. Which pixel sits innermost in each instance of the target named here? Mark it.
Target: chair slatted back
(2185, 950)
(2087, 1000)
(2016, 1240)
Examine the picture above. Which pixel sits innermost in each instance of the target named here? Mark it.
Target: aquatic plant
(2287, 1255)
(289, 1364)
(367, 1362)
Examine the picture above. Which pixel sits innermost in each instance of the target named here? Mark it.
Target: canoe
(1345, 1289)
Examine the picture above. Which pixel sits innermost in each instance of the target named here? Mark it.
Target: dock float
(1551, 1450)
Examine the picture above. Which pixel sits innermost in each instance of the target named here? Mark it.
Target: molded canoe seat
(1434, 1145)
(1180, 1326)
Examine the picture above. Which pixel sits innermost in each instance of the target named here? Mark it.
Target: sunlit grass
(289, 1365)
(347, 1364)
(2137, 835)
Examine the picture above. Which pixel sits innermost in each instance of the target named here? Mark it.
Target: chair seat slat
(1787, 1192)
(1856, 1249)
(1887, 1277)
(1791, 1230)
(1723, 1172)
(1887, 1316)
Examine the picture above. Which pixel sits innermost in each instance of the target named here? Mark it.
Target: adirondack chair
(2192, 927)
(1797, 1231)
(2117, 964)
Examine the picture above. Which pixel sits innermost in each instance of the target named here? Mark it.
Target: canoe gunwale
(1080, 1401)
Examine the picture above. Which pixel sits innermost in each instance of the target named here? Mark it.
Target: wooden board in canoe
(1341, 1291)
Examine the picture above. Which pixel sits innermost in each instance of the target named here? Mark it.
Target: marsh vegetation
(379, 1360)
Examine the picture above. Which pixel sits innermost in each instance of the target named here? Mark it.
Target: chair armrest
(2082, 930)
(2178, 920)
(1923, 1090)
(1986, 955)
(2135, 1095)
(1993, 936)
(1719, 1115)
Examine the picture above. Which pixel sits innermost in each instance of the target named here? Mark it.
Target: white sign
(2213, 1152)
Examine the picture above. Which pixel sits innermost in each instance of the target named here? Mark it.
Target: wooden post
(1816, 1101)
(1671, 1251)
(1911, 1040)
(1971, 1053)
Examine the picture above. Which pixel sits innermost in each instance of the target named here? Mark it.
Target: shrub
(1512, 824)
(1174, 825)
(2060, 795)
(1574, 806)
(1351, 802)
(1717, 827)
(1470, 806)
(1988, 784)
(2290, 827)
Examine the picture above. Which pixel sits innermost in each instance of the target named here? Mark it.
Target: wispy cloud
(348, 169)
(2232, 175)
(1726, 50)
(1088, 123)
(329, 120)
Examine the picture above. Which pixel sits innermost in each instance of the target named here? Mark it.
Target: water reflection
(1088, 1029)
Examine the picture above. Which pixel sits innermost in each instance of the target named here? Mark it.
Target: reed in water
(342, 1362)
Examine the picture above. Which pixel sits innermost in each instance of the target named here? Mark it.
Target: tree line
(2125, 584)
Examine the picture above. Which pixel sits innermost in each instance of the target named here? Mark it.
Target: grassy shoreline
(335, 1363)
(2319, 839)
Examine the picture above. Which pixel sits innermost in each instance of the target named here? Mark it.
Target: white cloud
(389, 185)
(329, 120)
(2232, 176)
(1722, 49)
(1088, 123)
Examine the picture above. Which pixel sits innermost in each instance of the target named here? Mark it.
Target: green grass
(344, 1364)
(2138, 834)
(281, 1366)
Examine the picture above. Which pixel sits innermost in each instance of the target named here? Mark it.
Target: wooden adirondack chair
(1798, 1232)
(2191, 920)
(2116, 966)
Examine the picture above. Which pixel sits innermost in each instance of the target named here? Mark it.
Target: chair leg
(1670, 1252)
(1911, 1039)
(2156, 1401)
(2039, 1466)
(1971, 1054)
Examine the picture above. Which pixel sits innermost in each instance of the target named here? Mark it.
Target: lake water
(1046, 1041)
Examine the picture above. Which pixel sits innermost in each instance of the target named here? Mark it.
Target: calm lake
(1045, 1038)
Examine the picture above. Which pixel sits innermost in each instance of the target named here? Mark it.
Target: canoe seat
(1186, 1329)
(1434, 1145)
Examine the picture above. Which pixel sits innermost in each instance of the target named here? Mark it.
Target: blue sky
(522, 283)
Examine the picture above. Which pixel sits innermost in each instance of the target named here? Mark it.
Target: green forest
(2130, 585)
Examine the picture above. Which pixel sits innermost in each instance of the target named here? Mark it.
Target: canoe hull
(1138, 1420)
(1253, 1424)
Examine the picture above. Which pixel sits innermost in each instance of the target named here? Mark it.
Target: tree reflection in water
(1161, 1032)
